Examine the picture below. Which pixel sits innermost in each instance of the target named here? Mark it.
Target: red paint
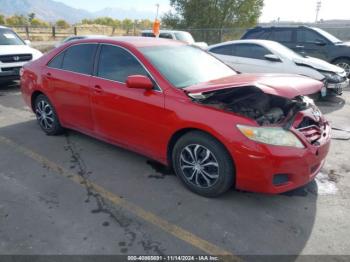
(139, 82)
(145, 120)
(289, 86)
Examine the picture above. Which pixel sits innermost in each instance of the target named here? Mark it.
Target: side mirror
(320, 43)
(27, 42)
(272, 58)
(139, 82)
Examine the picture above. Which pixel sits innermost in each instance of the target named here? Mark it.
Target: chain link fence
(210, 36)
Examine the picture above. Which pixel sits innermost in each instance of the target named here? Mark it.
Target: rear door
(130, 117)
(284, 36)
(69, 78)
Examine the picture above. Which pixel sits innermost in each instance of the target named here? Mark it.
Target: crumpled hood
(288, 86)
(318, 64)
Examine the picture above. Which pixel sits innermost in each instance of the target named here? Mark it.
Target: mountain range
(50, 10)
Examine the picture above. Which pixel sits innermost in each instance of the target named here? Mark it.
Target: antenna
(157, 5)
(318, 9)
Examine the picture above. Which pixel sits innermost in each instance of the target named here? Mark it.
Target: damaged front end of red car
(292, 136)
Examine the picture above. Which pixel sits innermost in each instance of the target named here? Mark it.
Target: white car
(263, 56)
(14, 53)
(78, 37)
(176, 35)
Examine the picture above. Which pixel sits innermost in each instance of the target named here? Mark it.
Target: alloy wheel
(199, 166)
(346, 67)
(45, 115)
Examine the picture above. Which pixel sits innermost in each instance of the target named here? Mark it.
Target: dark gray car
(306, 40)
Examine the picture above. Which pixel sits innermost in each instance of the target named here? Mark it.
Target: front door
(131, 117)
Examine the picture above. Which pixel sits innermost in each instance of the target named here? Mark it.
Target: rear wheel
(345, 64)
(46, 116)
(203, 164)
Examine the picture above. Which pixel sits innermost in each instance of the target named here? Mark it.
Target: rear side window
(222, 50)
(148, 35)
(166, 35)
(257, 34)
(117, 64)
(252, 51)
(79, 58)
(282, 35)
(57, 61)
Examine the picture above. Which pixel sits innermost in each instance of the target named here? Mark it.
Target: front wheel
(203, 164)
(46, 116)
(345, 64)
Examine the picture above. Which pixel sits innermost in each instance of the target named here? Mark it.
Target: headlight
(271, 135)
(333, 77)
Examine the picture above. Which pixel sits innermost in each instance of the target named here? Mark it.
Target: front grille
(312, 133)
(7, 69)
(15, 58)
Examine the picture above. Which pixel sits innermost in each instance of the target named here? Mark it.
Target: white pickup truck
(14, 53)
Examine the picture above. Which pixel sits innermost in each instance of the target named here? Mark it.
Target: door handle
(300, 46)
(48, 74)
(98, 89)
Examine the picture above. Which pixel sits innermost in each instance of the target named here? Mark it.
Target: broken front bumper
(335, 87)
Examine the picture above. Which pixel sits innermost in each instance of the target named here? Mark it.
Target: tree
(2, 19)
(102, 21)
(17, 20)
(213, 13)
(38, 22)
(127, 25)
(145, 24)
(31, 16)
(62, 23)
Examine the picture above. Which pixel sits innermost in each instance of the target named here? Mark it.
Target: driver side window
(117, 64)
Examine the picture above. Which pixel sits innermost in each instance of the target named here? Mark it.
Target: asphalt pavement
(75, 195)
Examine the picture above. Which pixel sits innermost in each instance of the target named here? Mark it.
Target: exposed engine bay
(253, 103)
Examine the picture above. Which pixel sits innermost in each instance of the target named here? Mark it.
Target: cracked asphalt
(75, 195)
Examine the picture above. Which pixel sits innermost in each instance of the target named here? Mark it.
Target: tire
(343, 63)
(209, 156)
(47, 117)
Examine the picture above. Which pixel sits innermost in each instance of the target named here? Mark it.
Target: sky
(286, 10)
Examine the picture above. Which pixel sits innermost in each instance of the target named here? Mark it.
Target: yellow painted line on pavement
(157, 221)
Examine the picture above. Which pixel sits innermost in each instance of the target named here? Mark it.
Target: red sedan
(181, 106)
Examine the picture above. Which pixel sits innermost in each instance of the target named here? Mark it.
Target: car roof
(247, 41)
(4, 27)
(165, 31)
(89, 36)
(134, 41)
(279, 26)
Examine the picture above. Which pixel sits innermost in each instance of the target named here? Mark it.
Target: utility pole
(318, 9)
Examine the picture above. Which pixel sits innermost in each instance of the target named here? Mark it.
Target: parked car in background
(306, 40)
(183, 107)
(176, 35)
(78, 37)
(264, 56)
(14, 53)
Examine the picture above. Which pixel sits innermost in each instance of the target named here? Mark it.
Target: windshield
(185, 37)
(8, 37)
(184, 65)
(327, 35)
